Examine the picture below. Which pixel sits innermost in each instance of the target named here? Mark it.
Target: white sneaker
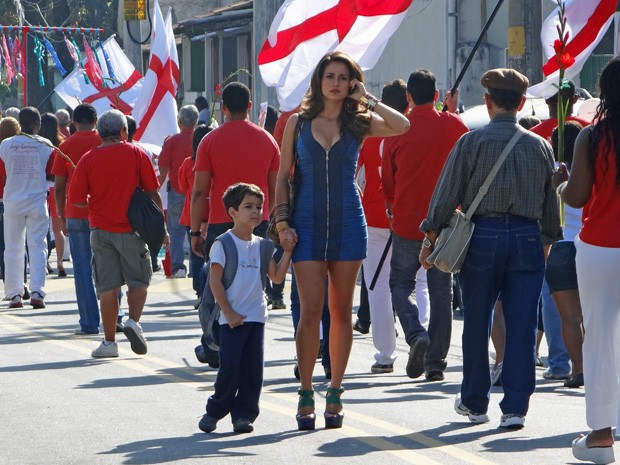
(106, 350)
(181, 273)
(133, 331)
(474, 417)
(512, 421)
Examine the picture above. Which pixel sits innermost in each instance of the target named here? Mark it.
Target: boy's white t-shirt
(245, 294)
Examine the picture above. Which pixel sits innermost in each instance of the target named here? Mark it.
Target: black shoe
(361, 327)
(328, 372)
(575, 381)
(415, 364)
(207, 423)
(278, 304)
(208, 356)
(296, 371)
(62, 273)
(243, 425)
(26, 294)
(119, 326)
(435, 375)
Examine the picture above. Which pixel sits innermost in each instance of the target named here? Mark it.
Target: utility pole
(264, 12)
(130, 16)
(524, 46)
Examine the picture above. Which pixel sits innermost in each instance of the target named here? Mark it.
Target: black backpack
(209, 310)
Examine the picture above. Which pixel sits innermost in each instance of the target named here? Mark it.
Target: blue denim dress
(328, 215)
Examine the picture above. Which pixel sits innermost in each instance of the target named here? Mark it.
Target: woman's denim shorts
(561, 273)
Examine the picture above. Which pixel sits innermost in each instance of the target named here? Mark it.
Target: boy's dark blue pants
(240, 377)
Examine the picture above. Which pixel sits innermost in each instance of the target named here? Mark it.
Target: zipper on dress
(327, 188)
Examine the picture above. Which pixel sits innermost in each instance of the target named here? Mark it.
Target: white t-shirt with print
(245, 294)
(25, 161)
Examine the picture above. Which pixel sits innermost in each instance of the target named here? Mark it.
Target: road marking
(17, 324)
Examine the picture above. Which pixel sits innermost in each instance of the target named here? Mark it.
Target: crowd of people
(352, 182)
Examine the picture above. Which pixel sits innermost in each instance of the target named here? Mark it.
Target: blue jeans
(195, 265)
(176, 230)
(558, 356)
(240, 376)
(403, 268)
(81, 253)
(505, 255)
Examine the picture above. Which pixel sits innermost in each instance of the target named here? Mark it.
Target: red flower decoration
(557, 46)
(566, 60)
(218, 90)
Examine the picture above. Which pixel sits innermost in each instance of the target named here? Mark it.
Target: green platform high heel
(305, 421)
(334, 419)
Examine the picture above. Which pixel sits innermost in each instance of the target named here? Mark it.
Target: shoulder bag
(145, 217)
(453, 241)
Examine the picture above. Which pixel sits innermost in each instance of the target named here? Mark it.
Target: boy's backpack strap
(232, 259)
(266, 252)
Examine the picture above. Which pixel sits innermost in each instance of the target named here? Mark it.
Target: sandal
(305, 421)
(334, 419)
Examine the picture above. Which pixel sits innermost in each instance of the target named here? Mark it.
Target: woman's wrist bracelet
(281, 212)
(282, 226)
(369, 101)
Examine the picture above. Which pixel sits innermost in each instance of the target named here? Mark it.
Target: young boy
(243, 313)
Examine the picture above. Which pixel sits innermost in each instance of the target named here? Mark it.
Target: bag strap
(491, 176)
(232, 259)
(291, 173)
(266, 252)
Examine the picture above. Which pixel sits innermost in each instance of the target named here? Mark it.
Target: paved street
(60, 406)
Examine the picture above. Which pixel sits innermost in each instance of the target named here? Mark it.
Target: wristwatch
(427, 243)
(194, 234)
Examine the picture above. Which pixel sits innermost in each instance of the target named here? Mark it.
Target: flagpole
(474, 50)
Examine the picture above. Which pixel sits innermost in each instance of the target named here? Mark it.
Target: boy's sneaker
(133, 332)
(16, 301)
(106, 350)
(207, 423)
(474, 417)
(380, 368)
(36, 300)
(512, 421)
(243, 425)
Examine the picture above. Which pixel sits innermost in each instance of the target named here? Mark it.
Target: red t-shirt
(174, 151)
(237, 151)
(186, 183)
(107, 177)
(412, 163)
(601, 227)
(372, 198)
(278, 130)
(545, 129)
(74, 147)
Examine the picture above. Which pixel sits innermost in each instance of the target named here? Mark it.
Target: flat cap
(505, 78)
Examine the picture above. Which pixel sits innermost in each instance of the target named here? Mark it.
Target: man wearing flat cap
(515, 223)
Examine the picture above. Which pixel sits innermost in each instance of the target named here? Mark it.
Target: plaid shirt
(522, 186)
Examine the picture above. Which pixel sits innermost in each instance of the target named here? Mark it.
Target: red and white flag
(120, 94)
(303, 31)
(156, 109)
(587, 22)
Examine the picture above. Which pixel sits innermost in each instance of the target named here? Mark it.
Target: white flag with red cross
(303, 31)
(587, 22)
(120, 93)
(155, 110)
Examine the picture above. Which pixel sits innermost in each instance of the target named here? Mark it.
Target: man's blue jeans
(405, 264)
(505, 255)
(176, 230)
(81, 254)
(558, 355)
